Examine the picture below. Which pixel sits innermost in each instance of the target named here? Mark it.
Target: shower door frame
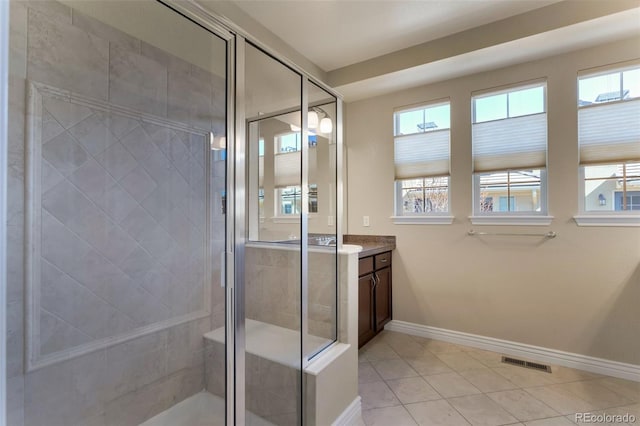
(233, 261)
(4, 135)
(191, 10)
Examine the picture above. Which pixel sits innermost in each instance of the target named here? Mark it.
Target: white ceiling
(371, 47)
(337, 33)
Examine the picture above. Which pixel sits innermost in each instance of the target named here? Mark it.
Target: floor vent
(526, 364)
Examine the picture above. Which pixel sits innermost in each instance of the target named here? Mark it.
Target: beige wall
(578, 292)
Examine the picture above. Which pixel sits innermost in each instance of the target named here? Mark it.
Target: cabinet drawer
(365, 265)
(383, 260)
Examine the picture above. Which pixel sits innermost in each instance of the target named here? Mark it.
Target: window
(290, 142)
(515, 191)
(290, 200)
(421, 155)
(609, 139)
(509, 137)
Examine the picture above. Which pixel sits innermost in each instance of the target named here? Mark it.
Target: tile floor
(409, 380)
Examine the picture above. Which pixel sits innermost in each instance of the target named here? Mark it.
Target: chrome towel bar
(550, 234)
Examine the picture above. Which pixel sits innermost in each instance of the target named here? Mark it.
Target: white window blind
(287, 168)
(510, 143)
(422, 154)
(609, 132)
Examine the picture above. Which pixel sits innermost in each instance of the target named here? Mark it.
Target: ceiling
(372, 47)
(337, 33)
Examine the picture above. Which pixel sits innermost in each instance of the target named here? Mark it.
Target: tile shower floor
(408, 380)
(201, 409)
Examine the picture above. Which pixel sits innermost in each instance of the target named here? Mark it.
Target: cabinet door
(383, 298)
(366, 326)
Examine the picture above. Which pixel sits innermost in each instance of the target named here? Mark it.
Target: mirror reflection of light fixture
(217, 143)
(326, 126)
(601, 200)
(312, 119)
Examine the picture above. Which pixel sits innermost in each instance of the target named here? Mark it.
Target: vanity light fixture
(312, 119)
(325, 125)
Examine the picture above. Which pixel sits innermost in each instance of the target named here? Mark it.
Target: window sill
(607, 220)
(291, 219)
(422, 220)
(521, 220)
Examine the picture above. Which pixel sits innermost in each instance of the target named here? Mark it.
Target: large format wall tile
(136, 81)
(120, 217)
(107, 266)
(67, 57)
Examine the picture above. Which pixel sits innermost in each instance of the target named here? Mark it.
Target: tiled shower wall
(272, 294)
(111, 196)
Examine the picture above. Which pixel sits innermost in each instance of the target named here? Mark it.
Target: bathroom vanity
(374, 283)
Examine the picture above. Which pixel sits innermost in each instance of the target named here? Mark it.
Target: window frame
(603, 217)
(400, 216)
(520, 214)
(278, 215)
(541, 217)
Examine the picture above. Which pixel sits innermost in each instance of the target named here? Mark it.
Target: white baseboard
(535, 353)
(352, 415)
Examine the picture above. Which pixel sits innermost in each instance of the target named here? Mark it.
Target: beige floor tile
(561, 400)
(622, 387)
(451, 384)
(632, 409)
(394, 369)
(403, 344)
(438, 346)
(376, 395)
(436, 413)
(487, 380)
(460, 361)
(393, 338)
(428, 364)
(480, 410)
(413, 389)
(524, 377)
(564, 375)
(367, 374)
(554, 421)
(396, 416)
(377, 351)
(487, 358)
(411, 349)
(522, 405)
(595, 394)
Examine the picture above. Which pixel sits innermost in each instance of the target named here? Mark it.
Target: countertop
(371, 244)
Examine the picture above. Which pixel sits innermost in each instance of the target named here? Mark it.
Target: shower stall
(173, 220)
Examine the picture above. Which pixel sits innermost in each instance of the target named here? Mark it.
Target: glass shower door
(269, 319)
(115, 108)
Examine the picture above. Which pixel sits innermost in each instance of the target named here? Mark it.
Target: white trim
(351, 415)
(4, 112)
(537, 353)
(423, 220)
(292, 218)
(522, 220)
(607, 220)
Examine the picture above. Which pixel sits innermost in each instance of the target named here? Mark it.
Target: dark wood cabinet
(374, 292)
